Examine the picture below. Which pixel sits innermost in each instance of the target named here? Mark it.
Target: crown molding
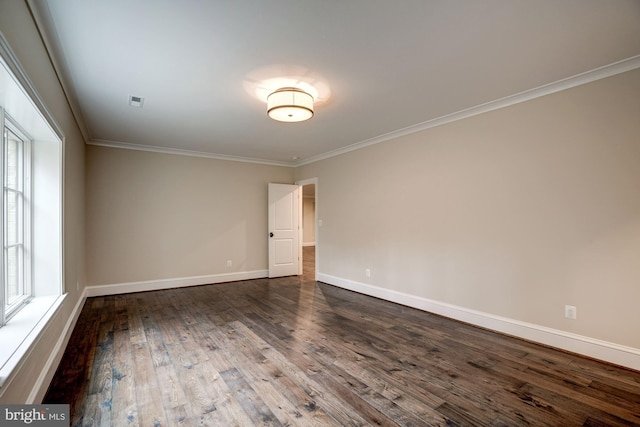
(619, 67)
(14, 67)
(42, 16)
(176, 151)
(615, 68)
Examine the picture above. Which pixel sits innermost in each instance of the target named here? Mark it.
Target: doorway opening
(309, 222)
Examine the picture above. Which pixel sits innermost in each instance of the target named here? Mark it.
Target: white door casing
(284, 232)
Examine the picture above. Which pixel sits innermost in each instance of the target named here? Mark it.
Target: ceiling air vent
(136, 101)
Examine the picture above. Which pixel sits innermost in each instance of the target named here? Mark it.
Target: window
(31, 216)
(16, 218)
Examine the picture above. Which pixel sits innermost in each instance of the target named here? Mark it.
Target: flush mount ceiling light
(290, 104)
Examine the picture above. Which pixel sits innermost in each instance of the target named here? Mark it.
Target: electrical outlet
(319, 223)
(367, 272)
(570, 312)
(229, 263)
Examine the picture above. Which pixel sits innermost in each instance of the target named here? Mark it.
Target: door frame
(302, 183)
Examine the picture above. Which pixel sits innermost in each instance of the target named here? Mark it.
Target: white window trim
(25, 191)
(21, 334)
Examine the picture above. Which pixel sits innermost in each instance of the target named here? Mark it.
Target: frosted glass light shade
(290, 104)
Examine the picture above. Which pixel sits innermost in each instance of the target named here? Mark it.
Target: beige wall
(308, 220)
(153, 216)
(20, 32)
(513, 213)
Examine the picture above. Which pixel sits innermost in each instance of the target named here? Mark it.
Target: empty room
(299, 212)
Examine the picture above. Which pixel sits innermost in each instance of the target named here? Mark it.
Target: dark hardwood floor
(293, 352)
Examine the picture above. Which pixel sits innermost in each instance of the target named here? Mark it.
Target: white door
(284, 218)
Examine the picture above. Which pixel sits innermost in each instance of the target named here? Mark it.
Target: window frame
(20, 335)
(23, 243)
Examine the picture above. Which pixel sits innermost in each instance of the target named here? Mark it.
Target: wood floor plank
(203, 404)
(200, 364)
(249, 400)
(101, 381)
(171, 390)
(148, 396)
(91, 411)
(300, 373)
(346, 365)
(296, 401)
(136, 328)
(264, 379)
(124, 408)
(295, 352)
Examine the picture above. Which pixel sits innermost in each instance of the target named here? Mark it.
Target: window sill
(22, 331)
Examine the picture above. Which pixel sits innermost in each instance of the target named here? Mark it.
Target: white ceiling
(380, 66)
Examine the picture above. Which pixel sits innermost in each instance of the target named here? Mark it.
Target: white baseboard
(156, 285)
(49, 369)
(309, 244)
(610, 352)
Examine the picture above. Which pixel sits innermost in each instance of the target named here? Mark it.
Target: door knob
(270, 234)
